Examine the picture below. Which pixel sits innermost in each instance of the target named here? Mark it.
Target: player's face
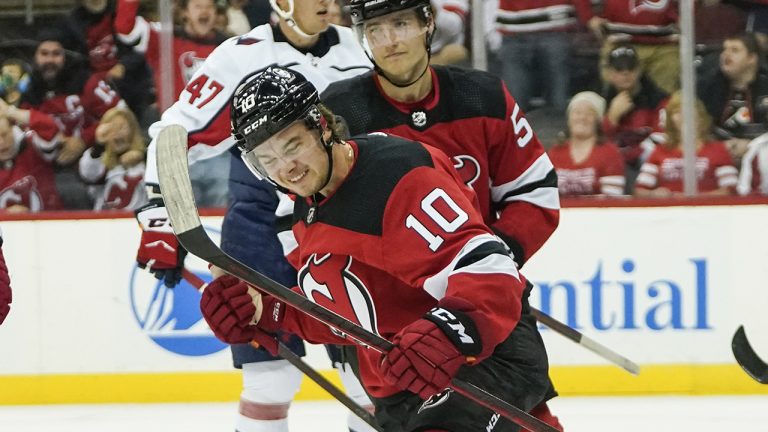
(735, 60)
(49, 58)
(582, 120)
(200, 17)
(397, 43)
(312, 16)
(294, 159)
(7, 147)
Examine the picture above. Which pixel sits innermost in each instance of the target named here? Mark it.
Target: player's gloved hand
(231, 308)
(159, 250)
(5, 287)
(429, 352)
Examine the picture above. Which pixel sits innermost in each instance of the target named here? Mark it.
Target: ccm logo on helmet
(255, 124)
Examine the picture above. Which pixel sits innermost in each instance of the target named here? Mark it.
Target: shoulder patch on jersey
(245, 40)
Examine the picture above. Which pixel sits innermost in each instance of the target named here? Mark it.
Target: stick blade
(747, 358)
(175, 185)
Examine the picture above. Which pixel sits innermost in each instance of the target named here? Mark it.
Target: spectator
(753, 178)
(535, 49)
(586, 163)
(115, 165)
(662, 175)
(238, 20)
(736, 94)
(14, 81)
(448, 39)
(90, 30)
(634, 106)
(651, 28)
(65, 102)
(27, 182)
(192, 42)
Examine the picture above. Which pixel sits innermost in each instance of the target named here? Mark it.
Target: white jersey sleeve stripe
(537, 172)
(437, 284)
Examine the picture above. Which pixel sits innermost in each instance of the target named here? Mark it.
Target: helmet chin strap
(399, 84)
(329, 151)
(288, 17)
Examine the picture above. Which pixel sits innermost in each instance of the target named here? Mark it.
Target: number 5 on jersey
(448, 223)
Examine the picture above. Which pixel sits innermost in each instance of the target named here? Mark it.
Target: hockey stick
(588, 343)
(175, 185)
(747, 358)
(286, 353)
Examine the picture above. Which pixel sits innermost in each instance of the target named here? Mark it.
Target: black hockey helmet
(363, 10)
(271, 101)
(268, 103)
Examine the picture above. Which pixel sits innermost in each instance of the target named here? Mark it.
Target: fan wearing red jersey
(587, 163)
(453, 305)
(662, 175)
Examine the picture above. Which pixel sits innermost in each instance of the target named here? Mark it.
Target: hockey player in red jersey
(468, 114)
(390, 237)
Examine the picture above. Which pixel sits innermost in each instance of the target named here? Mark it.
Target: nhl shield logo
(419, 118)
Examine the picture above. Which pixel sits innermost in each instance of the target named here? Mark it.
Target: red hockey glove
(231, 308)
(159, 250)
(5, 288)
(429, 352)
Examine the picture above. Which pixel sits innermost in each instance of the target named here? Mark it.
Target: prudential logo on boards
(628, 295)
(171, 317)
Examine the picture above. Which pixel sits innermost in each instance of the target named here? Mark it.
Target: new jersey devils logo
(328, 281)
(22, 192)
(122, 190)
(468, 168)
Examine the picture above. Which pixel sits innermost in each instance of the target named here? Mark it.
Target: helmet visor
(389, 29)
(268, 158)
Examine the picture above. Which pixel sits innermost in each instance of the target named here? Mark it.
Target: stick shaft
(299, 364)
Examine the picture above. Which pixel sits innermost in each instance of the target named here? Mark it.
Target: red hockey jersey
(400, 233)
(664, 168)
(28, 180)
(644, 21)
(601, 173)
(472, 118)
(72, 114)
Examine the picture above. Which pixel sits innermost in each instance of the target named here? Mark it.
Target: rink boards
(664, 286)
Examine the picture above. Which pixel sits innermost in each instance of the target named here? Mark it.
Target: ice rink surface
(587, 414)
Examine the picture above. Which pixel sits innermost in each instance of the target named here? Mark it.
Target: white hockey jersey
(203, 106)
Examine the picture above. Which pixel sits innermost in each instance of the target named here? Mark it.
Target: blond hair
(703, 120)
(112, 159)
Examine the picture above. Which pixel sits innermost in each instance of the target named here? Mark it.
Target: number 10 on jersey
(428, 205)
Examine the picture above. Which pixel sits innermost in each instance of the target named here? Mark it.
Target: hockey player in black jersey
(468, 114)
(388, 236)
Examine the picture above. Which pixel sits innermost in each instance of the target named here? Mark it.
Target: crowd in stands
(74, 112)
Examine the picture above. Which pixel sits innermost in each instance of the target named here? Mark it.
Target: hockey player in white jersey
(304, 41)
